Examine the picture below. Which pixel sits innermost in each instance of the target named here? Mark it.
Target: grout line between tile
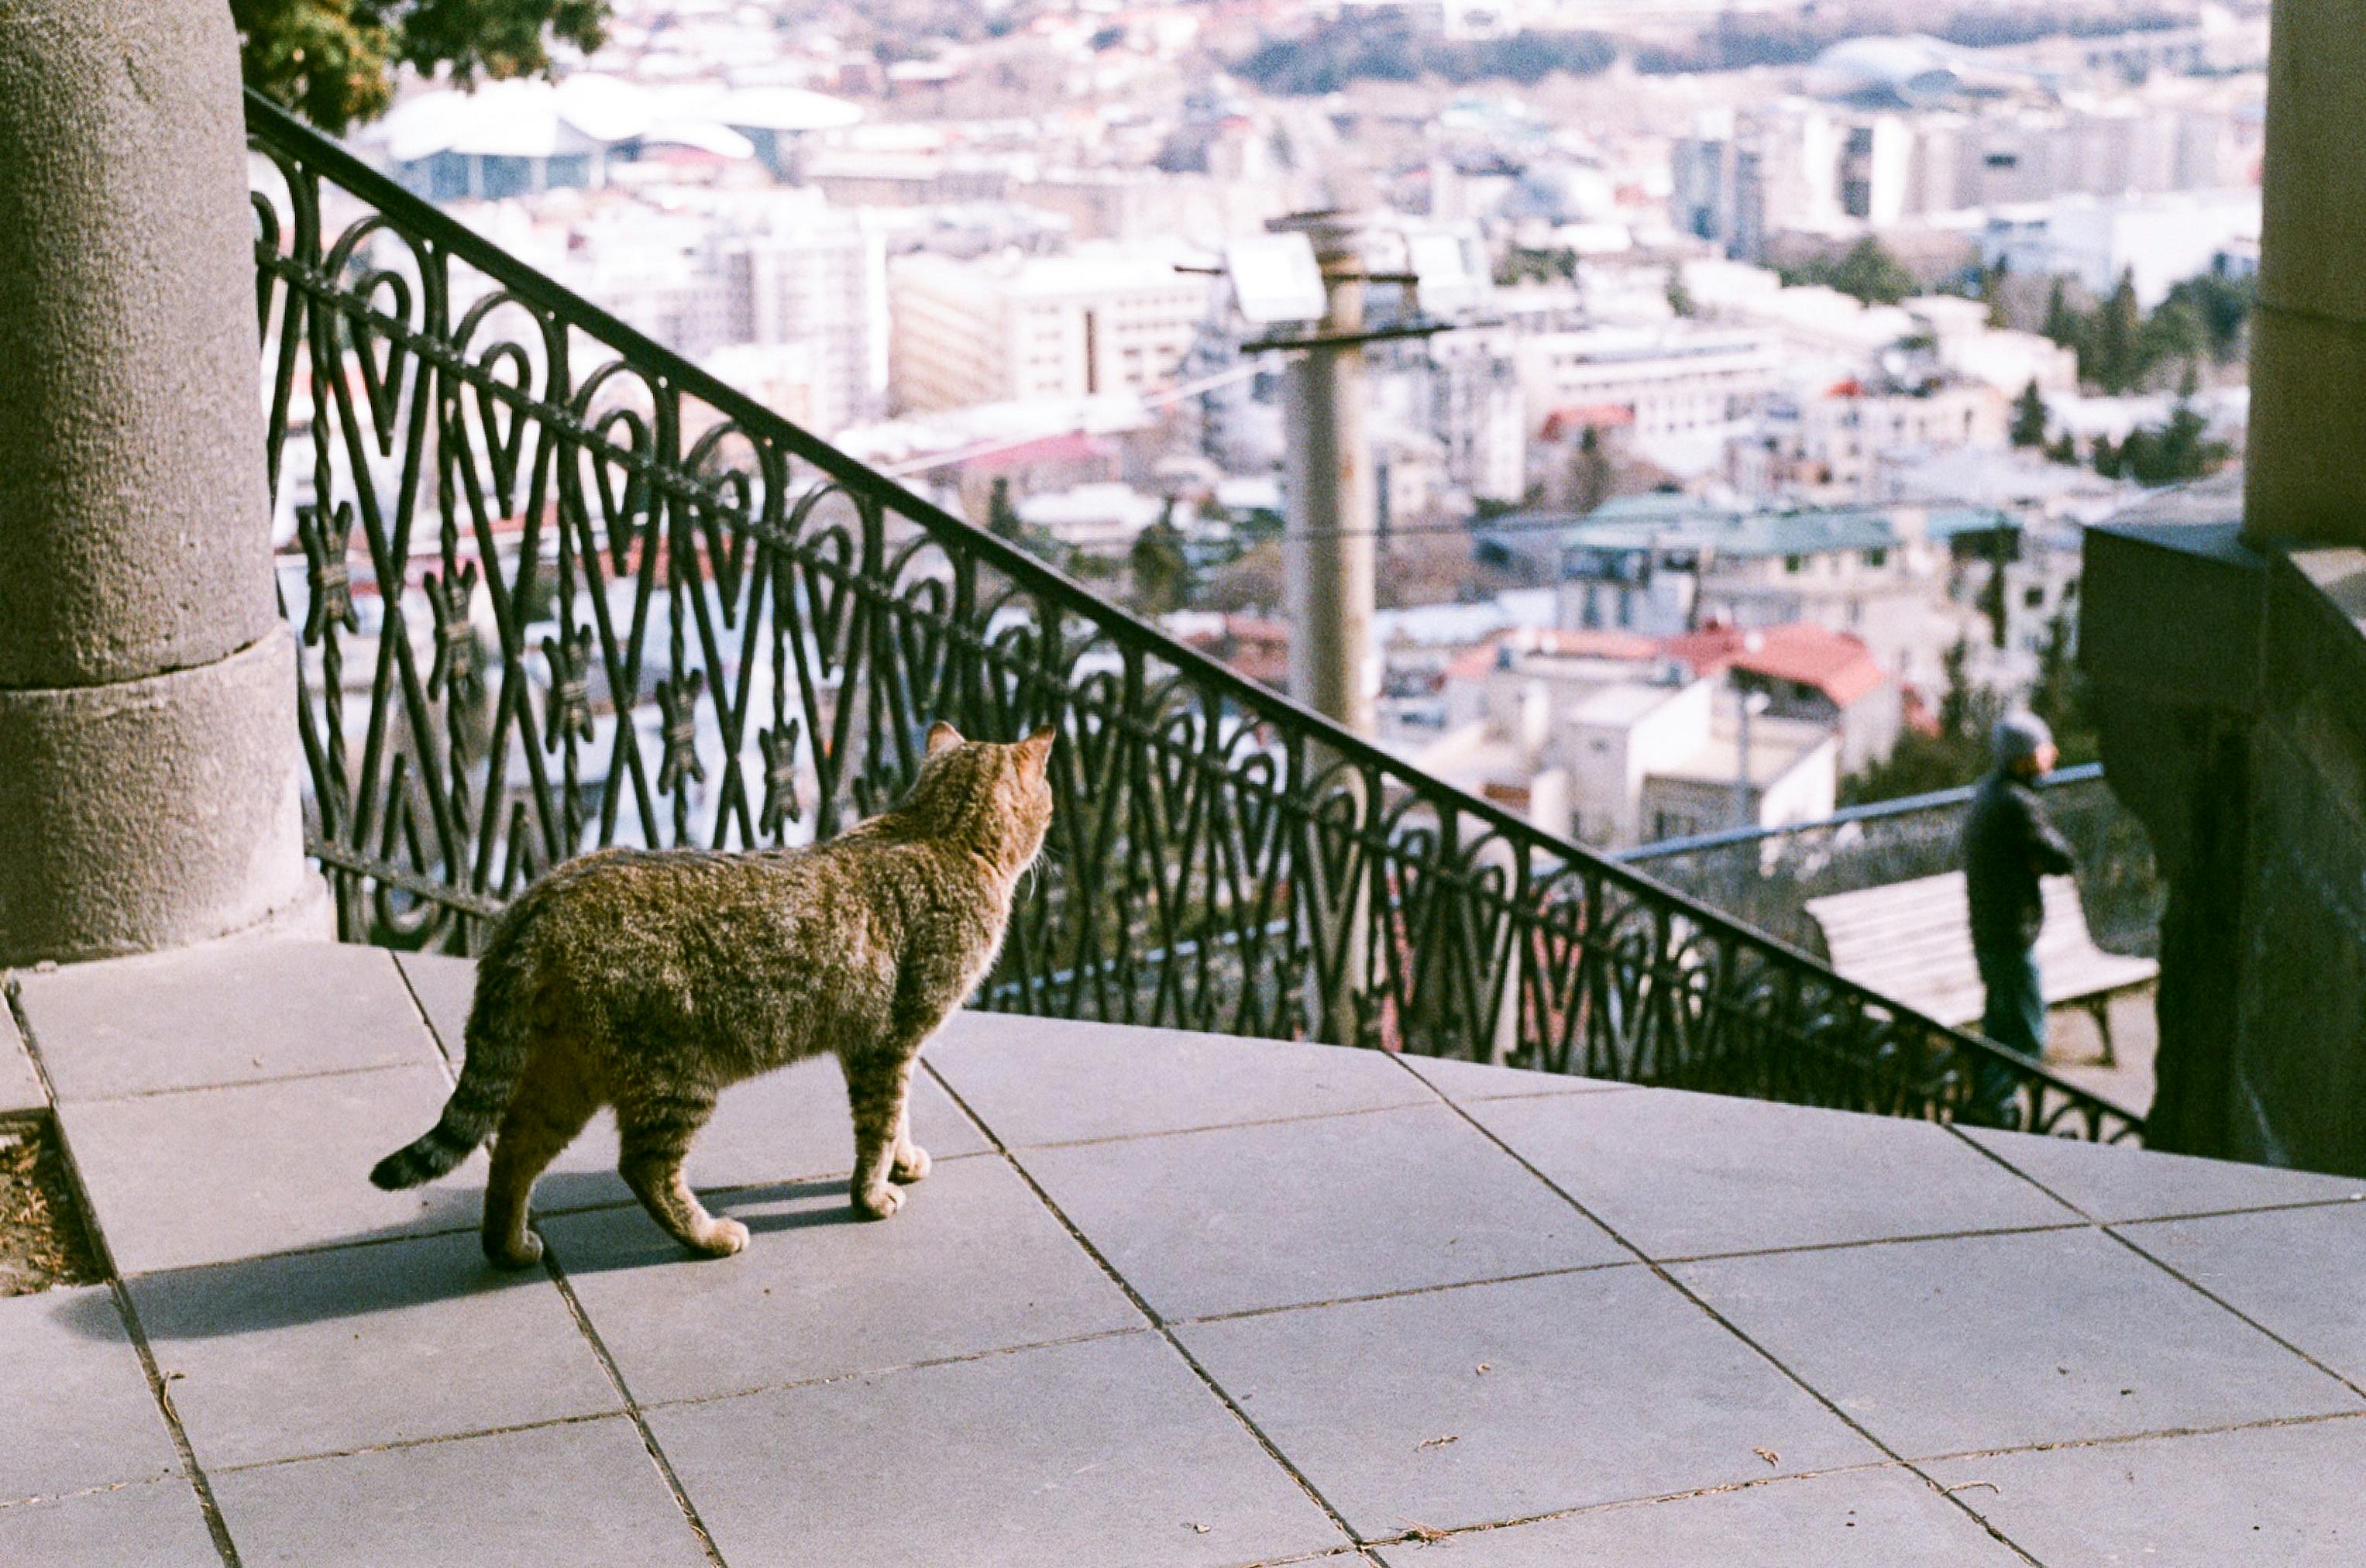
(1212, 1126)
(158, 1388)
(632, 1408)
(1733, 1328)
(2162, 1434)
(310, 1075)
(1141, 1305)
(2207, 1294)
(450, 1051)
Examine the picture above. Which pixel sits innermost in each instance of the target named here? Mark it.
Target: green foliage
(1557, 264)
(2166, 453)
(1868, 272)
(333, 62)
(2121, 348)
(2118, 361)
(2063, 450)
(1162, 575)
(1337, 53)
(2223, 306)
(2029, 417)
(2060, 695)
(1680, 298)
(1957, 755)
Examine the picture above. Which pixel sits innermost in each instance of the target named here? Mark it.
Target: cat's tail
(498, 1045)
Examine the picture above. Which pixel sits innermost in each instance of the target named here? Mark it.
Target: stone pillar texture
(149, 762)
(2306, 466)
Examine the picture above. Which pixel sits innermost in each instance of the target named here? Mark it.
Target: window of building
(2035, 598)
(1877, 559)
(1795, 564)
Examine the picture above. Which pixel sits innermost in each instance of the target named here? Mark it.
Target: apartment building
(1101, 320)
(1671, 380)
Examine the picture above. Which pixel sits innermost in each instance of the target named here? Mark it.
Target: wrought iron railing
(558, 588)
(1765, 876)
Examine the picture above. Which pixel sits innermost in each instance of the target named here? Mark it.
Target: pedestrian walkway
(1165, 1299)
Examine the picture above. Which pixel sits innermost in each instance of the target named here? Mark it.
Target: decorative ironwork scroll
(559, 588)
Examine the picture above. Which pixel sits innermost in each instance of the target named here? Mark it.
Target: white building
(2158, 240)
(1101, 320)
(1673, 380)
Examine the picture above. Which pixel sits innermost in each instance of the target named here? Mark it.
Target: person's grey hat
(2018, 737)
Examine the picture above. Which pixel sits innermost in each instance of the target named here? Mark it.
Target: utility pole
(1328, 557)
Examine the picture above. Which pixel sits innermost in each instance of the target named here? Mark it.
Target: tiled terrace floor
(1167, 1299)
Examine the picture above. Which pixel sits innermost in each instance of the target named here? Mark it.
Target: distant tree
(1680, 298)
(1956, 755)
(1162, 575)
(2065, 325)
(2118, 349)
(2223, 305)
(1591, 476)
(1991, 293)
(1869, 272)
(2175, 333)
(333, 62)
(2105, 456)
(2063, 450)
(1001, 517)
(2029, 417)
(2172, 453)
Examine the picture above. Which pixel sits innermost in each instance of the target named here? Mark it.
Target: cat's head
(998, 796)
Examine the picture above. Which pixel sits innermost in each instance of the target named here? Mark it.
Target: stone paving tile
(1109, 1452)
(156, 1524)
(2301, 1273)
(1237, 1218)
(1683, 1175)
(1979, 1342)
(1864, 1518)
(444, 986)
(1598, 1388)
(1460, 1080)
(319, 1353)
(20, 1086)
(790, 1125)
(2269, 1497)
(586, 1492)
(226, 1012)
(973, 1262)
(2140, 1184)
(1037, 1081)
(217, 1174)
(76, 1408)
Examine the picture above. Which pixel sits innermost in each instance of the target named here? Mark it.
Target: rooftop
(1344, 1307)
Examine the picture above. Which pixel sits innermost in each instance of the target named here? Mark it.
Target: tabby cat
(651, 979)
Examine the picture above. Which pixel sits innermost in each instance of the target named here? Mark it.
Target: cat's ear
(1036, 750)
(941, 735)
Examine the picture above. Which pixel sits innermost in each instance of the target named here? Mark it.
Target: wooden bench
(1912, 941)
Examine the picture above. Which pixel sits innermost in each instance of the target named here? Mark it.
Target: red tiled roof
(1832, 662)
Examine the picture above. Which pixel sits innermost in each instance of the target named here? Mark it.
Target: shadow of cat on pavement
(392, 1271)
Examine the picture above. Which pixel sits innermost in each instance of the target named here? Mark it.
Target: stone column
(149, 761)
(2307, 469)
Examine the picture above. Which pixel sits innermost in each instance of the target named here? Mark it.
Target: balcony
(1166, 1297)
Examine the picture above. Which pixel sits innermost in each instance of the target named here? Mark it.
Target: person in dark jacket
(2009, 844)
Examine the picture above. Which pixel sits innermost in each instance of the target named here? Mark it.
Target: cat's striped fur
(651, 981)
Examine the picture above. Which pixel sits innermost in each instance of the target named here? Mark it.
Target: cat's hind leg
(553, 1100)
(655, 1127)
(878, 1091)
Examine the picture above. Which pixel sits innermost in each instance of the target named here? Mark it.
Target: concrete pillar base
(154, 812)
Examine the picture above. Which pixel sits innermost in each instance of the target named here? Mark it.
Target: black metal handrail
(614, 600)
(1872, 811)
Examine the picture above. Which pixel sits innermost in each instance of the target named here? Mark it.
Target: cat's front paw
(722, 1240)
(879, 1201)
(911, 1163)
